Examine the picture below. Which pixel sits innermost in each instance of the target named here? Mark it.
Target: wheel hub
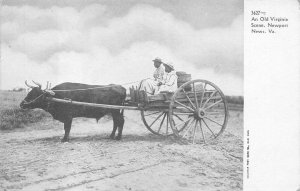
(200, 113)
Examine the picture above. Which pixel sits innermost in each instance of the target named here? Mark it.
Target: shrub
(18, 118)
(12, 116)
(235, 99)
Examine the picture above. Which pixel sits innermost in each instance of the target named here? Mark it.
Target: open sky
(115, 41)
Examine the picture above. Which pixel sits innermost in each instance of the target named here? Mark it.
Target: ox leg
(118, 123)
(112, 135)
(67, 127)
(120, 127)
(114, 116)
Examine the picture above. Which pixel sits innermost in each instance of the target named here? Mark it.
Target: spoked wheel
(157, 122)
(202, 107)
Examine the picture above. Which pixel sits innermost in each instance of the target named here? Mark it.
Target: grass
(235, 103)
(12, 116)
(239, 100)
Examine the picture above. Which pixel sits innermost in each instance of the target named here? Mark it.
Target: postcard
(150, 95)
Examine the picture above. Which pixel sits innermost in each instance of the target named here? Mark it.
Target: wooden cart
(196, 112)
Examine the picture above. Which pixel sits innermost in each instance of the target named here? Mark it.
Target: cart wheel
(202, 109)
(157, 122)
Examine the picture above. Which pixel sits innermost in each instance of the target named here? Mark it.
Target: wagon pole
(93, 104)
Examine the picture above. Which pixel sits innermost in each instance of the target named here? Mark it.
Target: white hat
(170, 65)
(157, 60)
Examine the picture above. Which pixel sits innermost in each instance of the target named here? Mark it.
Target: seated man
(169, 84)
(160, 70)
(151, 85)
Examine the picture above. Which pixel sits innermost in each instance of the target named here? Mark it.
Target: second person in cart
(169, 83)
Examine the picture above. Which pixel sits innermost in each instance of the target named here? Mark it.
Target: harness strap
(34, 99)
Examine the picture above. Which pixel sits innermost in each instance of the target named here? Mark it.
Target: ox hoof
(118, 138)
(111, 137)
(64, 140)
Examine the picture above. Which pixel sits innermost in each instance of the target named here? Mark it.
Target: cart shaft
(93, 104)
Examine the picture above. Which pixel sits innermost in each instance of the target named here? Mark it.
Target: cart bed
(163, 99)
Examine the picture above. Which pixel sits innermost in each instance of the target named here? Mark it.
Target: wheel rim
(203, 109)
(157, 122)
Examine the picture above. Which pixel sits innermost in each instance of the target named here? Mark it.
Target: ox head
(36, 97)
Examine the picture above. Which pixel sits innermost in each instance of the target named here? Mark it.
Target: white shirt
(169, 82)
(159, 73)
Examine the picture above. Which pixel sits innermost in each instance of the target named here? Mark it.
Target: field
(33, 158)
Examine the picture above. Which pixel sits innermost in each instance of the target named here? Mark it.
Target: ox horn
(28, 84)
(38, 84)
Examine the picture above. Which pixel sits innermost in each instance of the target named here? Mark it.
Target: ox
(111, 95)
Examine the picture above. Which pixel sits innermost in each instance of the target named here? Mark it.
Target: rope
(79, 90)
(34, 99)
(98, 87)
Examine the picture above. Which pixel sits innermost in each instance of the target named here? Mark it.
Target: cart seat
(140, 96)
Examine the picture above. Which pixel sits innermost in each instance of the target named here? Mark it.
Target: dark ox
(111, 95)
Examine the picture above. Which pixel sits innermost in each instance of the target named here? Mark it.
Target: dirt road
(34, 158)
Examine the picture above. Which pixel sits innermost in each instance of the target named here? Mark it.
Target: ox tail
(123, 103)
(122, 110)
